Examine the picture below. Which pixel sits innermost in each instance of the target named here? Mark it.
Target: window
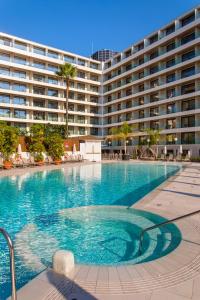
(188, 121)
(141, 88)
(4, 71)
(128, 116)
(39, 103)
(20, 114)
(94, 88)
(153, 39)
(81, 130)
(154, 125)
(154, 97)
(170, 93)
(94, 99)
(188, 55)
(188, 19)
(141, 75)
(154, 112)
(19, 74)
(81, 108)
(170, 63)
(188, 88)
(170, 78)
(141, 101)
(53, 105)
(140, 61)
(52, 54)
(19, 101)
(140, 46)
(53, 117)
(39, 78)
(39, 90)
(171, 108)
(188, 105)
(81, 119)
(141, 126)
(82, 75)
(38, 115)
(128, 104)
(4, 98)
(188, 72)
(153, 54)
(127, 53)
(38, 64)
(128, 79)
(69, 59)
(188, 138)
(4, 56)
(20, 45)
(19, 87)
(52, 80)
(188, 38)
(93, 65)
(93, 77)
(170, 47)
(4, 112)
(39, 51)
(153, 69)
(19, 60)
(141, 114)
(71, 107)
(170, 29)
(128, 92)
(81, 86)
(170, 139)
(5, 41)
(52, 68)
(4, 85)
(154, 83)
(81, 62)
(52, 92)
(170, 123)
(71, 118)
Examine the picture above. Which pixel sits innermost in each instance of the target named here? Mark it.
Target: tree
(154, 136)
(8, 140)
(122, 133)
(55, 146)
(66, 72)
(36, 141)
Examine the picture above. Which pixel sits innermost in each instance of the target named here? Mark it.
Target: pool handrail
(162, 224)
(12, 262)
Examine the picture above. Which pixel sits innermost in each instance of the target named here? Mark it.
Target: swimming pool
(31, 207)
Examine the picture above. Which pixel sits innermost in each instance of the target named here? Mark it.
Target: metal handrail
(162, 224)
(12, 263)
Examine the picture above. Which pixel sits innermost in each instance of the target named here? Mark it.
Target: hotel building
(154, 83)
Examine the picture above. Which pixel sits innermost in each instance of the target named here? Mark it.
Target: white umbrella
(165, 150)
(181, 149)
(74, 148)
(19, 149)
(189, 153)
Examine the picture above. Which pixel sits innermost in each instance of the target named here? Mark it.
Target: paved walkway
(175, 276)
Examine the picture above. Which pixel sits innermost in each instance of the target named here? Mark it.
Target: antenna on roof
(92, 47)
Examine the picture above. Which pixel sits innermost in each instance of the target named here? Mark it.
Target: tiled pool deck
(175, 276)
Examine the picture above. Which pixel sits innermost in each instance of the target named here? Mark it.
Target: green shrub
(55, 146)
(195, 159)
(9, 139)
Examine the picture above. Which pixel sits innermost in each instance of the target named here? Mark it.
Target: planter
(39, 163)
(125, 157)
(7, 165)
(57, 161)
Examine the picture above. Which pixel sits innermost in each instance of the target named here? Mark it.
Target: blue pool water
(38, 210)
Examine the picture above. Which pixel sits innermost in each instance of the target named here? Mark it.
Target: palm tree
(66, 72)
(154, 137)
(122, 133)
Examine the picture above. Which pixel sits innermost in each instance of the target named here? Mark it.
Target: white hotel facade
(154, 83)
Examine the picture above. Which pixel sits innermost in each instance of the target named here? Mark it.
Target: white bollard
(63, 262)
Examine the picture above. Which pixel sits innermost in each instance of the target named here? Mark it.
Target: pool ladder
(141, 237)
(12, 262)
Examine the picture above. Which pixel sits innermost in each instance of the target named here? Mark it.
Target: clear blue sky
(73, 24)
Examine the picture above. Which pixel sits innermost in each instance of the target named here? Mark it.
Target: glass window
(170, 29)
(170, 78)
(188, 88)
(53, 54)
(81, 130)
(81, 97)
(4, 56)
(19, 101)
(4, 85)
(188, 19)
(39, 103)
(38, 64)
(20, 45)
(21, 114)
(154, 111)
(171, 93)
(170, 47)
(188, 72)
(53, 117)
(93, 65)
(5, 41)
(188, 138)
(188, 121)
(38, 115)
(52, 80)
(188, 55)
(153, 39)
(39, 90)
(81, 62)
(140, 46)
(19, 87)
(4, 112)
(39, 77)
(188, 105)
(170, 63)
(141, 114)
(52, 92)
(188, 38)
(19, 60)
(19, 74)
(52, 68)
(153, 54)
(4, 98)
(69, 59)
(39, 51)
(153, 69)
(53, 105)
(4, 71)
(171, 108)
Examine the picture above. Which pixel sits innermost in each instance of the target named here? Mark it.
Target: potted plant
(36, 143)
(8, 143)
(55, 147)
